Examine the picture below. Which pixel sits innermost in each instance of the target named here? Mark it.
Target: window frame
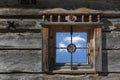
(50, 29)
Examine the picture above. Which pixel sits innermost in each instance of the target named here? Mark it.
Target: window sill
(77, 71)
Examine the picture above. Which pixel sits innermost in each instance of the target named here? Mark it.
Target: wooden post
(58, 18)
(82, 18)
(90, 18)
(98, 18)
(51, 18)
(43, 18)
(45, 49)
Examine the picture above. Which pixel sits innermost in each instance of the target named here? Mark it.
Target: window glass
(77, 53)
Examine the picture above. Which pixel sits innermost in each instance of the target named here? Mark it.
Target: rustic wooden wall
(21, 49)
(21, 57)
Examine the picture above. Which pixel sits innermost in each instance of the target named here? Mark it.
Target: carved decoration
(79, 15)
(71, 18)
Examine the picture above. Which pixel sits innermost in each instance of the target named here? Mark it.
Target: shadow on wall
(106, 28)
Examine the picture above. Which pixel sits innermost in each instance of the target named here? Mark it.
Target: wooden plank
(98, 54)
(111, 60)
(21, 77)
(111, 40)
(20, 61)
(21, 23)
(45, 49)
(20, 40)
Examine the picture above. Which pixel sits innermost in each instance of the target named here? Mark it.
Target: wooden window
(71, 48)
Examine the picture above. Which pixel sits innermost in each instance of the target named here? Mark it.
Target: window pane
(80, 56)
(62, 56)
(80, 39)
(62, 39)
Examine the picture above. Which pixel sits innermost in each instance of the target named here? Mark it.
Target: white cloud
(75, 39)
(62, 45)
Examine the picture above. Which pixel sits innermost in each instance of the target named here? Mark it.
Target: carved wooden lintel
(79, 15)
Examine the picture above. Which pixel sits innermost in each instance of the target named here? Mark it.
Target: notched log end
(116, 27)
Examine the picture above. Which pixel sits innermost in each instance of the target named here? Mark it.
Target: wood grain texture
(45, 52)
(111, 40)
(111, 61)
(20, 40)
(21, 23)
(111, 76)
(98, 53)
(20, 61)
(21, 77)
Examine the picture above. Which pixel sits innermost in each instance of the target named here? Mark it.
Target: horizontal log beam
(7, 12)
(21, 24)
(30, 61)
(20, 41)
(20, 61)
(111, 40)
(111, 60)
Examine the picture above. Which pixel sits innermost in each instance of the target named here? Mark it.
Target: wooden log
(20, 61)
(21, 77)
(59, 18)
(111, 40)
(111, 60)
(21, 23)
(20, 40)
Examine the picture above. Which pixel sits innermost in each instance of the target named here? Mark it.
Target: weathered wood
(111, 40)
(45, 64)
(111, 60)
(20, 40)
(98, 53)
(20, 61)
(21, 77)
(109, 24)
(111, 76)
(21, 23)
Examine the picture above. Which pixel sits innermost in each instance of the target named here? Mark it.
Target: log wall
(21, 50)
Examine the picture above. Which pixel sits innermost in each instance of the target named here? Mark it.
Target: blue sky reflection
(63, 39)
